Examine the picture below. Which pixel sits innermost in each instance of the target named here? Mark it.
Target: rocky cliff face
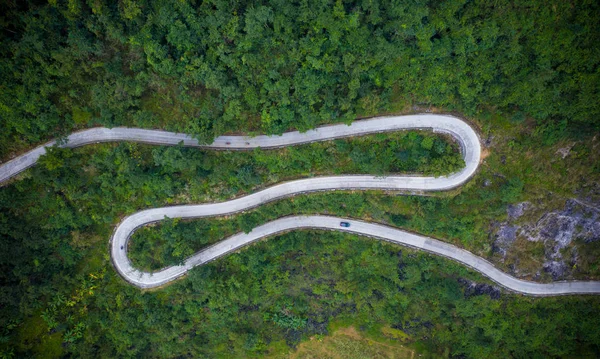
(563, 232)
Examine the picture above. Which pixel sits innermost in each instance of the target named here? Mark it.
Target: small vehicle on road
(344, 224)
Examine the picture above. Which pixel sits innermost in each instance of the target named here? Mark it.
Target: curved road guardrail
(461, 131)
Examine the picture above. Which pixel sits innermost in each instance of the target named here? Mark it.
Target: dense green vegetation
(527, 71)
(288, 287)
(59, 278)
(520, 168)
(277, 292)
(216, 66)
(242, 171)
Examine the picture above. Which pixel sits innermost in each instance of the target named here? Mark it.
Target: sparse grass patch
(348, 343)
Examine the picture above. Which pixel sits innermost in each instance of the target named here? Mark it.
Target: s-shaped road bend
(461, 131)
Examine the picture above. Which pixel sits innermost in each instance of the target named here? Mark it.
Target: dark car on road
(344, 224)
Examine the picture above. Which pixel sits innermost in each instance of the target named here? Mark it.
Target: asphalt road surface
(461, 131)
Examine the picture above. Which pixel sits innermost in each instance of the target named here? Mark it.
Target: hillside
(524, 74)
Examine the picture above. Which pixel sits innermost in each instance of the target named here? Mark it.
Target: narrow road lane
(461, 131)
(373, 230)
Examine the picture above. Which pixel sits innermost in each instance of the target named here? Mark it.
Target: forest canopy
(267, 66)
(524, 72)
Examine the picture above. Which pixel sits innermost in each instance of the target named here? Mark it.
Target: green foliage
(206, 68)
(427, 143)
(327, 275)
(213, 67)
(512, 190)
(72, 335)
(286, 320)
(243, 172)
(314, 276)
(551, 132)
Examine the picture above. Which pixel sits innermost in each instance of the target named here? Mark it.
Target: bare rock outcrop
(560, 231)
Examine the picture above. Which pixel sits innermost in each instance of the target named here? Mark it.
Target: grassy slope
(349, 343)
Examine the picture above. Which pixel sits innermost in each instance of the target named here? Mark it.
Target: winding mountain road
(461, 131)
